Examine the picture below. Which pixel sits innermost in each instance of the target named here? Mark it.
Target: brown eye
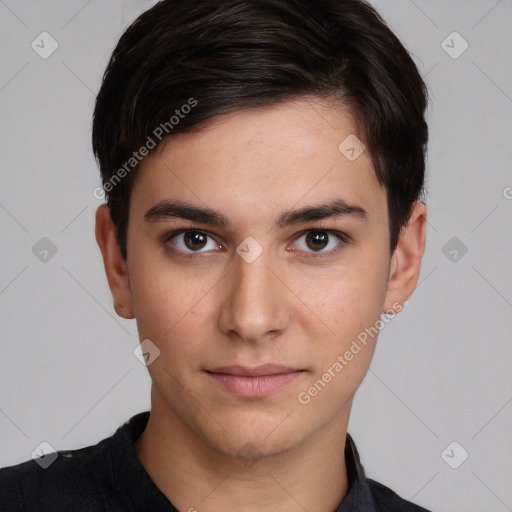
(320, 241)
(192, 241)
(195, 240)
(317, 240)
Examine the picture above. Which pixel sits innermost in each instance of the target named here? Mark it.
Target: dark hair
(204, 58)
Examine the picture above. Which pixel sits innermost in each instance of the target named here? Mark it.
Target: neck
(195, 476)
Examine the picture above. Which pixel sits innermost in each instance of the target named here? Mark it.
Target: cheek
(342, 346)
(172, 307)
(348, 301)
(349, 304)
(161, 292)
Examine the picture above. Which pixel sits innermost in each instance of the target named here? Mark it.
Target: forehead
(245, 162)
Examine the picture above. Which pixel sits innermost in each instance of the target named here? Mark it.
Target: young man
(263, 162)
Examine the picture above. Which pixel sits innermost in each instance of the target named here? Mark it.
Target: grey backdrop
(441, 373)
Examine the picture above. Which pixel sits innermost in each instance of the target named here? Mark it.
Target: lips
(255, 371)
(253, 382)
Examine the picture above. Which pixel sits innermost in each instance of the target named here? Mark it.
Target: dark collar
(359, 497)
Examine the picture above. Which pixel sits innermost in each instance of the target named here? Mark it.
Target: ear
(116, 268)
(406, 259)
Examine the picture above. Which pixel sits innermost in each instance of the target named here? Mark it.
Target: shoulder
(70, 479)
(388, 501)
(95, 477)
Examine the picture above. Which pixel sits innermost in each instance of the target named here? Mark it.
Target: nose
(256, 307)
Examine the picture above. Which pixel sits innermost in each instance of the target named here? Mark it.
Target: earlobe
(406, 259)
(116, 268)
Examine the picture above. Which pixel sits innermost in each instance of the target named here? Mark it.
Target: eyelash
(343, 240)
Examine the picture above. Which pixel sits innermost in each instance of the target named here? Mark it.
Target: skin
(297, 304)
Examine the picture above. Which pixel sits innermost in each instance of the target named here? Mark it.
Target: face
(258, 254)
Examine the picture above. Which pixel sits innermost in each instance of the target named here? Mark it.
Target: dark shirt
(109, 477)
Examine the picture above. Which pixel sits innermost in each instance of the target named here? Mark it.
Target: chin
(253, 436)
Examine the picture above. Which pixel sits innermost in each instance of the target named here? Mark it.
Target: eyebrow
(165, 210)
